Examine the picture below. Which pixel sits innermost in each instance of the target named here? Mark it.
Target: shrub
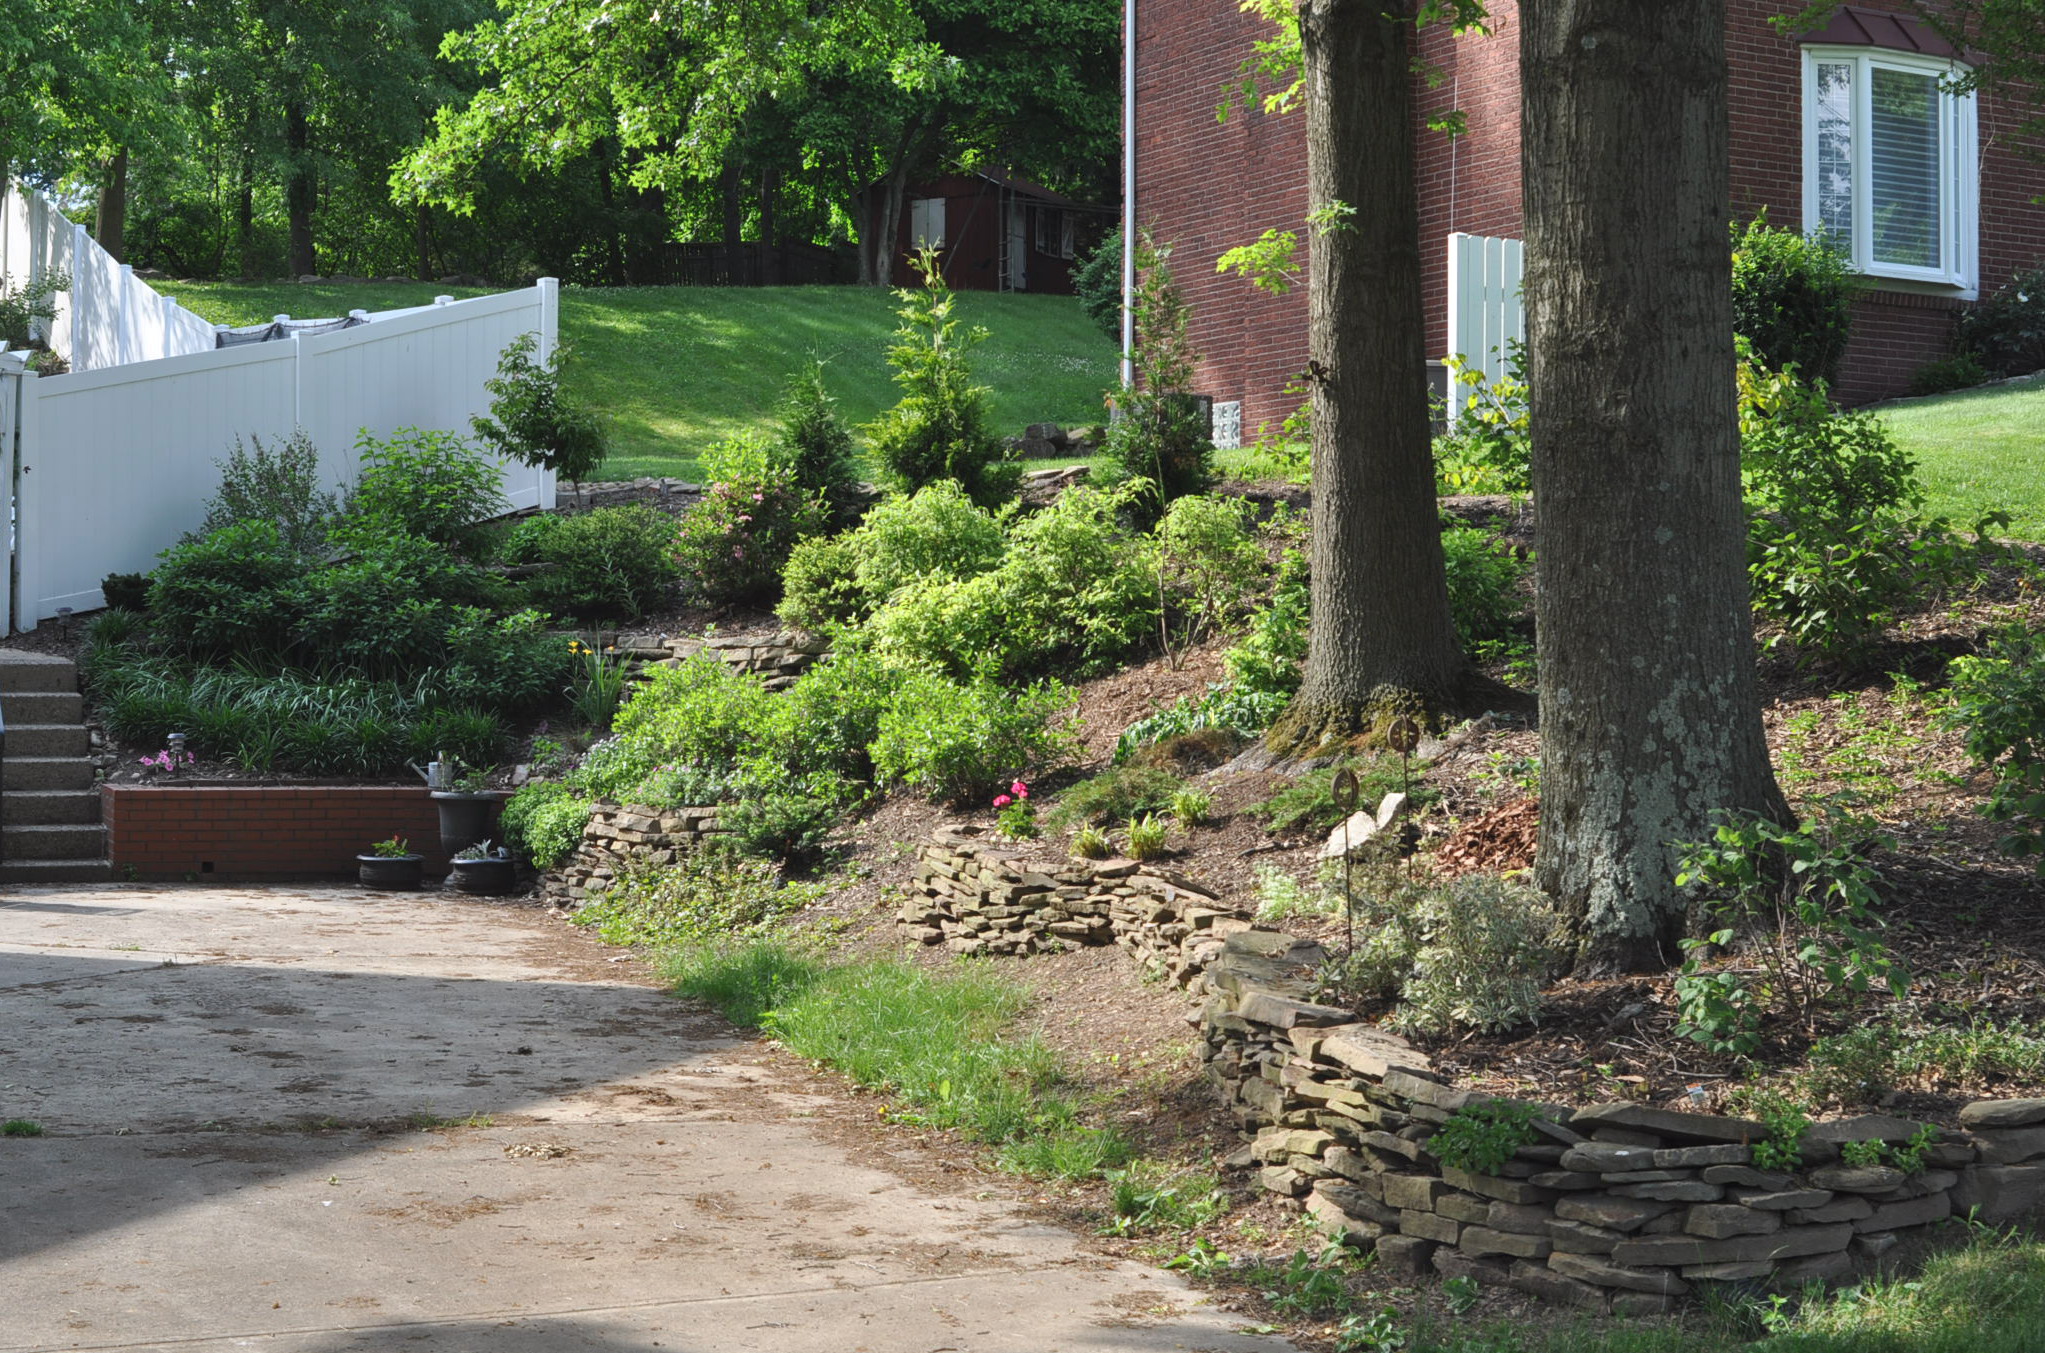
(1486, 449)
(734, 544)
(938, 531)
(2006, 332)
(533, 420)
(429, 484)
(832, 714)
(697, 711)
(125, 591)
(544, 820)
(613, 561)
(508, 663)
(820, 589)
(1209, 563)
(229, 592)
(1267, 661)
(939, 429)
(712, 892)
(1118, 795)
(1998, 696)
(24, 305)
(785, 816)
(1224, 710)
(963, 742)
(1486, 945)
(1959, 371)
(386, 611)
(1484, 579)
(1159, 434)
(1144, 837)
(1792, 299)
(281, 487)
(1097, 281)
(820, 446)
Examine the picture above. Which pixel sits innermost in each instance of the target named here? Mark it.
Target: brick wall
(251, 833)
(1206, 187)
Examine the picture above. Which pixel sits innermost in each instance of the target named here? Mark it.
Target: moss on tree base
(1310, 727)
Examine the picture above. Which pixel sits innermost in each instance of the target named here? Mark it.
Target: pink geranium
(1019, 789)
(1002, 800)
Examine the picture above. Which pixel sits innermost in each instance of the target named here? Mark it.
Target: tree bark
(730, 188)
(110, 224)
(770, 244)
(245, 213)
(299, 189)
(1382, 641)
(422, 242)
(1650, 715)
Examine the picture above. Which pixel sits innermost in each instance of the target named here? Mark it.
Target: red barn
(995, 232)
(1847, 126)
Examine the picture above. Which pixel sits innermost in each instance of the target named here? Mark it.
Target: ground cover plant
(741, 346)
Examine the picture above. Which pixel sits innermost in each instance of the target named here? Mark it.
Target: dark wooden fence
(755, 265)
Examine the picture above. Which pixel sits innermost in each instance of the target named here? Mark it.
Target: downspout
(1128, 193)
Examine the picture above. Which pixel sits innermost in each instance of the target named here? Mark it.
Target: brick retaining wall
(258, 833)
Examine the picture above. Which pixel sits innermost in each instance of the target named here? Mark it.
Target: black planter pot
(403, 872)
(465, 818)
(483, 878)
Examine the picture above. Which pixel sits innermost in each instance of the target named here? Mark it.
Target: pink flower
(758, 498)
(1002, 800)
(1019, 789)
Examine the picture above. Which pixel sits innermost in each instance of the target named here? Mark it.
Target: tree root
(1309, 729)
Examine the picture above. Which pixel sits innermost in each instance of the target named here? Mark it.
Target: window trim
(933, 211)
(1959, 141)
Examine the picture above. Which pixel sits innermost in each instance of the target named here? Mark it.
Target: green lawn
(1979, 451)
(676, 368)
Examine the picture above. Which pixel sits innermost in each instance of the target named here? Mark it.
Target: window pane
(1835, 151)
(1904, 168)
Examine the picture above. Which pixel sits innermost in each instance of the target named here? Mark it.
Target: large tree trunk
(110, 224)
(1382, 641)
(1650, 718)
(299, 190)
(770, 243)
(422, 242)
(245, 213)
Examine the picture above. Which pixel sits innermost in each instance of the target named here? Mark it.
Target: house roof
(1028, 189)
(1857, 26)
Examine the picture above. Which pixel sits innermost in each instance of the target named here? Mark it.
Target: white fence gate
(106, 318)
(112, 466)
(1485, 313)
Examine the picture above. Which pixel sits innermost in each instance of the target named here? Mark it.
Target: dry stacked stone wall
(1621, 1206)
(621, 837)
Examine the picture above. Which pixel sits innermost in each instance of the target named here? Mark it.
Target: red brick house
(1846, 125)
(995, 232)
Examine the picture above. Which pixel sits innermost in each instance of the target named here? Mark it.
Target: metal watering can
(439, 775)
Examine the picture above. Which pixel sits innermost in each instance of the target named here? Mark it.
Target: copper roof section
(1858, 26)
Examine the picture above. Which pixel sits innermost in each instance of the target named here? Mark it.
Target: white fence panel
(1485, 313)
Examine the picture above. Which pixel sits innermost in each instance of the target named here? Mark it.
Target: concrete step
(56, 871)
(41, 707)
(45, 739)
(21, 671)
(67, 841)
(44, 807)
(45, 772)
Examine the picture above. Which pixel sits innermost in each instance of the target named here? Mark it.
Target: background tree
(1650, 718)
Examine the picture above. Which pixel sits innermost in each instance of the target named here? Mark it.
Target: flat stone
(1450, 1262)
(1782, 1200)
(1274, 1145)
(1351, 1230)
(1612, 1136)
(1349, 1165)
(1681, 1191)
(2003, 1113)
(1283, 1012)
(1394, 1145)
(1702, 1127)
(1369, 1052)
(1693, 1157)
(1999, 1193)
(1526, 1221)
(1351, 835)
(1816, 1268)
(1429, 1226)
(1716, 1221)
(1407, 1256)
(1682, 1251)
(1866, 1127)
(1410, 1085)
(2011, 1146)
(1578, 1238)
(1916, 1212)
(1737, 1271)
(1464, 1208)
(1482, 1240)
(1642, 1305)
(1556, 1289)
(1568, 1180)
(1283, 1179)
(1852, 1207)
(1414, 1191)
(1491, 1186)
(1875, 1245)
(1604, 1273)
(1646, 1176)
(1601, 1158)
(1770, 1180)
(1617, 1214)
(1858, 1178)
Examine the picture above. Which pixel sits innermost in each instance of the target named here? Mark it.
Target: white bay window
(1889, 163)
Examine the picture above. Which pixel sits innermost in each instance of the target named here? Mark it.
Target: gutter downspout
(1128, 193)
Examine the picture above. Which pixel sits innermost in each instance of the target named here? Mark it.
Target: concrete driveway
(225, 1078)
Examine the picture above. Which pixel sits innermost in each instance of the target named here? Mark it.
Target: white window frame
(1959, 186)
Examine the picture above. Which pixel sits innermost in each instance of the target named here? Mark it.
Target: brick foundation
(262, 833)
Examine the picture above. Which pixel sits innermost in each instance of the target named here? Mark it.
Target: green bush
(2006, 332)
(1267, 661)
(1160, 435)
(429, 484)
(712, 892)
(1792, 299)
(820, 446)
(281, 487)
(1209, 564)
(697, 711)
(1484, 584)
(609, 562)
(1241, 714)
(385, 611)
(735, 542)
(935, 533)
(1486, 948)
(125, 592)
(820, 589)
(545, 821)
(1998, 697)
(940, 428)
(533, 420)
(831, 715)
(1485, 449)
(1097, 281)
(508, 663)
(1959, 371)
(1117, 796)
(228, 593)
(964, 743)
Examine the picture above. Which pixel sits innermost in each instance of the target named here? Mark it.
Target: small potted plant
(482, 869)
(391, 863)
(468, 811)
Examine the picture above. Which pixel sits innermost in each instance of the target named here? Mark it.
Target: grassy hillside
(1980, 450)
(676, 368)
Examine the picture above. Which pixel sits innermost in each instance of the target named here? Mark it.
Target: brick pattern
(1206, 188)
(262, 833)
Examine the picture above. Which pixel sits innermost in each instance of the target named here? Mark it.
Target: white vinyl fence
(111, 467)
(1485, 313)
(106, 318)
